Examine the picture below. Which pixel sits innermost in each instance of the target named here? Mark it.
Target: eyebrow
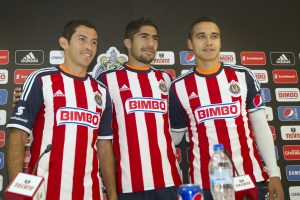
(96, 39)
(203, 33)
(147, 34)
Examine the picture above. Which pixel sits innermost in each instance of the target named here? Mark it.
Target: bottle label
(221, 177)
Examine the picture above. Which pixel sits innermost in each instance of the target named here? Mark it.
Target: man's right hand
(17, 95)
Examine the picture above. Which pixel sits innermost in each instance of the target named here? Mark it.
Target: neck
(79, 71)
(136, 63)
(207, 65)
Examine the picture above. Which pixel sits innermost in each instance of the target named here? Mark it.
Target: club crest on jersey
(217, 111)
(234, 88)
(77, 116)
(163, 87)
(146, 104)
(98, 99)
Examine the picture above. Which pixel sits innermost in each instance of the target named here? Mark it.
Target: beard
(145, 59)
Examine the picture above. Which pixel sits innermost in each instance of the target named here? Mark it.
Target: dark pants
(169, 193)
(260, 193)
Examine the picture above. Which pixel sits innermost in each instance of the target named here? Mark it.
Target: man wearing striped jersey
(67, 108)
(145, 155)
(215, 103)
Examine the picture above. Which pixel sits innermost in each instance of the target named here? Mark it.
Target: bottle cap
(218, 147)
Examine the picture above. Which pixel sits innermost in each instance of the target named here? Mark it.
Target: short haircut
(70, 27)
(134, 27)
(199, 20)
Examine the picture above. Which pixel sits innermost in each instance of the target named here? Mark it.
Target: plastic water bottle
(221, 175)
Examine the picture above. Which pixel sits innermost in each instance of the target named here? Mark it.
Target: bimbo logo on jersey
(293, 172)
(70, 115)
(217, 111)
(289, 113)
(146, 104)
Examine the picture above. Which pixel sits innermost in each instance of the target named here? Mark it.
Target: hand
(17, 95)
(275, 187)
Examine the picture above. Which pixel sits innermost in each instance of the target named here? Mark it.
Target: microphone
(28, 186)
(243, 185)
(48, 148)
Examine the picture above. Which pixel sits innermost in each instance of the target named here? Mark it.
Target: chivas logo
(109, 60)
(98, 99)
(163, 87)
(234, 88)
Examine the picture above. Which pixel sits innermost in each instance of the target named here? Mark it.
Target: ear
(127, 43)
(189, 44)
(63, 43)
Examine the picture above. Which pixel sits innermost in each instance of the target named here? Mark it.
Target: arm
(107, 167)
(266, 147)
(15, 152)
(17, 95)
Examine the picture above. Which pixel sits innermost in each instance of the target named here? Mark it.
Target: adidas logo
(58, 93)
(29, 58)
(124, 88)
(283, 60)
(193, 95)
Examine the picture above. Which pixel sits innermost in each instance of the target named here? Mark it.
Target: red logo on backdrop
(21, 75)
(253, 58)
(171, 72)
(26, 159)
(2, 138)
(285, 76)
(273, 132)
(178, 155)
(272, 128)
(291, 152)
(4, 57)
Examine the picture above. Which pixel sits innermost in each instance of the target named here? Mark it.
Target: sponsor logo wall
(277, 73)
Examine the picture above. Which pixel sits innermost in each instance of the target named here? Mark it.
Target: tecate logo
(285, 76)
(261, 75)
(293, 172)
(290, 132)
(164, 58)
(289, 113)
(291, 152)
(253, 58)
(3, 76)
(147, 105)
(287, 94)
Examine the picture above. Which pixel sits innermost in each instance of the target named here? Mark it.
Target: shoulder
(184, 76)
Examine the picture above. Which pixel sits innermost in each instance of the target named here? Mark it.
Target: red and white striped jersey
(214, 109)
(145, 153)
(71, 113)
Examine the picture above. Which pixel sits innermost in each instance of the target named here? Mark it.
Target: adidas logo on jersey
(124, 88)
(29, 58)
(283, 60)
(59, 93)
(193, 95)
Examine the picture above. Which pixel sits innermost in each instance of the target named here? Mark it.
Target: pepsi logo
(190, 57)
